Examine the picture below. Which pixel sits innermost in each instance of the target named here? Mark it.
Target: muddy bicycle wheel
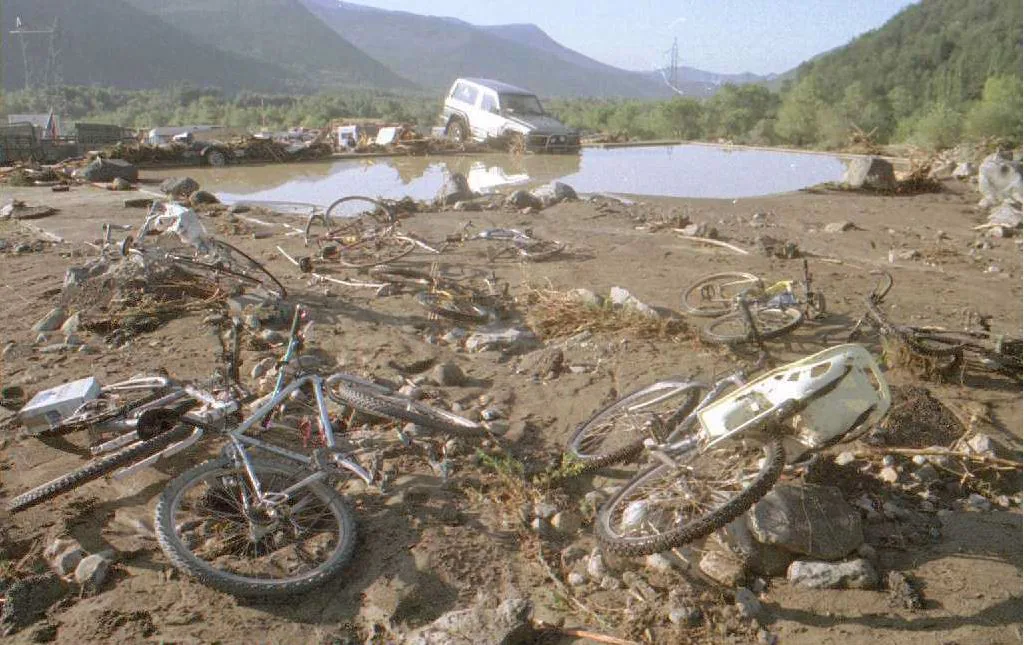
(211, 525)
(714, 295)
(375, 251)
(733, 328)
(348, 219)
(377, 400)
(666, 506)
(616, 433)
(453, 307)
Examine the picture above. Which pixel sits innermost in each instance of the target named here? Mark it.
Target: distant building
(47, 126)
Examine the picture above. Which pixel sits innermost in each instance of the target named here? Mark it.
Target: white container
(49, 407)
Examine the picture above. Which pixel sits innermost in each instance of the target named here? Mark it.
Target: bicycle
(514, 244)
(728, 450)
(745, 310)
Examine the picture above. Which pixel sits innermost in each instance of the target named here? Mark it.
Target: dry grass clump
(558, 314)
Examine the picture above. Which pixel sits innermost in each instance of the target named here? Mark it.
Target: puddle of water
(673, 171)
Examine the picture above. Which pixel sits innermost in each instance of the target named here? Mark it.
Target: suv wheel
(457, 131)
(216, 158)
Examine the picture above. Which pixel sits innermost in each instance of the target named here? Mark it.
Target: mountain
(280, 33)
(110, 43)
(433, 51)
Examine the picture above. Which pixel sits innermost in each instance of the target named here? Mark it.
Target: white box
(49, 407)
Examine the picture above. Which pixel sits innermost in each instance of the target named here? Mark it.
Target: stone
(810, 520)
(981, 444)
(747, 603)
(965, 170)
(566, 522)
(447, 375)
(723, 567)
(106, 170)
(576, 579)
(467, 206)
(66, 562)
(845, 458)
(701, 229)
(839, 227)
(200, 197)
(889, 475)
(522, 199)
(659, 562)
(868, 552)
(455, 189)
(92, 570)
(179, 186)
(852, 574)
(481, 624)
(871, 173)
(52, 321)
(926, 474)
(1006, 215)
(596, 569)
(120, 183)
(263, 366)
(71, 325)
(509, 339)
(587, 297)
(764, 559)
(554, 193)
(999, 179)
(976, 502)
(620, 297)
(238, 209)
(686, 616)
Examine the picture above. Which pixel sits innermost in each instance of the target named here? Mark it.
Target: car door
(490, 122)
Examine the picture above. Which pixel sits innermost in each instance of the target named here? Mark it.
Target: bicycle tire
(627, 502)
(206, 573)
(449, 307)
(772, 323)
(98, 468)
(623, 441)
(693, 301)
(375, 251)
(251, 268)
(380, 401)
(336, 226)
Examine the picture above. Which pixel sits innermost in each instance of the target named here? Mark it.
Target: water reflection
(680, 171)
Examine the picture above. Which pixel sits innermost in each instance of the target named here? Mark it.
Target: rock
(498, 427)
(554, 193)
(576, 579)
(659, 562)
(549, 364)
(566, 522)
(620, 297)
(965, 170)
(447, 375)
(844, 458)
(839, 227)
(201, 197)
(120, 183)
(482, 624)
(26, 600)
(747, 603)
(869, 173)
(92, 571)
(764, 559)
(904, 254)
(587, 297)
(455, 189)
(981, 444)
(595, 566)
(976, 502)
(238, 209)
(810, 520)
(106, 170)
(868, 552)
(999, 179)
(686, 616)
(889, 475)
(853, 574)
(508, 339)
(465, 205)
(1007, 215)
(52, 321)
(723, 567)
(66, 562)
(179, 186)
(71, 325)
(902, 592)
(263, 366)
(702, 229)
(522, 199)
(926, 474)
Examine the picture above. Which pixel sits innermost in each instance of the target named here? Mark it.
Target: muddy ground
(427, 547)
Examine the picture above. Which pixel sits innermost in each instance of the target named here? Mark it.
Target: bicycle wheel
(379, 401)
(616, 433)
(212, 526)
(343, 220)
(733, 328)
(403, 275)
(116, 400)
(539, 250)
(373, 251)
(454, 308)
(98, 468)
(666, 506)
(713, 295)
(240, 262)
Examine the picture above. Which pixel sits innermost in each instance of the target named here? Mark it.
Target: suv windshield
(520, 104)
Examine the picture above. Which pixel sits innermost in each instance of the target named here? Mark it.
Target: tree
(998, 114)
(682, 117)
(798, 115)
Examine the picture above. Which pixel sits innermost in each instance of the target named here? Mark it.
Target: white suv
(479, 109)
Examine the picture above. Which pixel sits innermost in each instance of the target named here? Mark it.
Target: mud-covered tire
(216, 158)
(713, 295)
(457, 130)
(731, 328)
(98, 468)
(183, 558)
(664, 533)
(591, 450)
(379, 401)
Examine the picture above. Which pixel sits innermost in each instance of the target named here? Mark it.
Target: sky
(724, 36)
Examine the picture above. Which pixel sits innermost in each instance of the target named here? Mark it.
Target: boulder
(810, 520)
(201, 197)
(107, 170)
(554, 193)
(120, 183)
(52, 321)
(854, 574)
(92, 570)
(763, 559)
(521, 199)
(999, 179)
(482, 624)
(869, 173)
(179, 186)
(455, 189)
(447, 375)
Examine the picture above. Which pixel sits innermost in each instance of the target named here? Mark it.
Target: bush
(938, 128)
